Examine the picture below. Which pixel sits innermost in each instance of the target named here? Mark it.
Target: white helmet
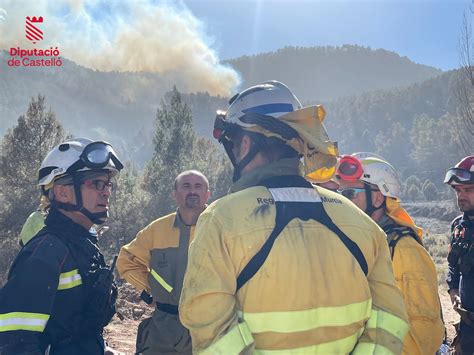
(270, 98)
(78, 154)
(377, 171)
(271, 111)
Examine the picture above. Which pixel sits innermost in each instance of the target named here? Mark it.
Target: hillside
(327, 73)
(115, 104)
(379, 115)
(85, 100)
(411, 126)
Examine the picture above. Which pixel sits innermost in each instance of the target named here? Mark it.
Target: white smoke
(123, 36)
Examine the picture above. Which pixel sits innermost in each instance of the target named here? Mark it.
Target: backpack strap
(294, 197)
(395, 233)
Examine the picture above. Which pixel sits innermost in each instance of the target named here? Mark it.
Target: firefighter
(461, 254)
(279, 265)
(374, 186)
(155, 261)
(60, 293)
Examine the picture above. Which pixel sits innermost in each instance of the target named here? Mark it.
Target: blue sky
(425, 31)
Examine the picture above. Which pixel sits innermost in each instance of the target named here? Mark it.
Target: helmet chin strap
(95, 218)
(238, 167)
(370, 209)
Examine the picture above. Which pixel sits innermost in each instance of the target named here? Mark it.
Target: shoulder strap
(294, 197)
(395, 233)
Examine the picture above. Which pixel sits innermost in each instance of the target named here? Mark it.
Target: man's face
(465, 197)
(359, 198)
(191, 192)
(96, 193)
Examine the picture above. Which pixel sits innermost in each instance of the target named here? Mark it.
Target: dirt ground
(121, 334)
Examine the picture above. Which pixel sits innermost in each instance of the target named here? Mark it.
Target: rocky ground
(121, 334)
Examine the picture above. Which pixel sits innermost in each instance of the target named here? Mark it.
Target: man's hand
(455, 299)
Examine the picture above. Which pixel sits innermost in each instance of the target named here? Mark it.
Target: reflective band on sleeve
(391, 324)
(232, 342)
(35, 322)
(298, 321)
(341, 346)
(295, 194)
(370, 349)
(161, 281)
(69, 279)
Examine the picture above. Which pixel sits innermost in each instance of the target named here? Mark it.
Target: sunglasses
(350, 192)
(100, 185)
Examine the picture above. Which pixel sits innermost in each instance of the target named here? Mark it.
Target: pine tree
(23, 149)
(173, 146)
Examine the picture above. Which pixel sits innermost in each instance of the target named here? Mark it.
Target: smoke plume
(124, 36)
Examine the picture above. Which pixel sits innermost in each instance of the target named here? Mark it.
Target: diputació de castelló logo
(35, 57)
(32, 32)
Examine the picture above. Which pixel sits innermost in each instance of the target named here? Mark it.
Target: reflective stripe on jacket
(155, 261)
(310, 295)
(43, 302)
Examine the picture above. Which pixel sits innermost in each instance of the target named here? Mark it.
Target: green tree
(430, 191)
(23, 149)
(213, 163)
(412, 180)
(436, 145)
(127, 215)
(173, 146)
(394, 145)
(413, 192)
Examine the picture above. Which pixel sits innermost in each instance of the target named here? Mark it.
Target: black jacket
(49, 297)
(461, 260)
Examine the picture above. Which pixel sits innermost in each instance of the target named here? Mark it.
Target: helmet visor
(459, 176)
(96, 155)
(349, 168)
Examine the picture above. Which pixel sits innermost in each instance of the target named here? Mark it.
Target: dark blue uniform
(51, 296)
(461, 276)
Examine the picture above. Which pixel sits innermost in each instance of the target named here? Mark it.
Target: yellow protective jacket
(33, 224)
(310, 295)
(156, 261)
(416, 277)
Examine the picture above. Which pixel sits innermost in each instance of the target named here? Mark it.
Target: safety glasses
(96, 155)
(349, 168)
(459, 175)
(100, 185)
(350, 192)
